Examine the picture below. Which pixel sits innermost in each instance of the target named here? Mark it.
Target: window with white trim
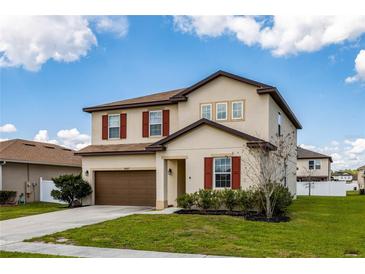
(279, 123)
(314, 164)
(237, 110)
(206, 111)
(221, 111)
(222, 172)
(113, 126)
(156, 123)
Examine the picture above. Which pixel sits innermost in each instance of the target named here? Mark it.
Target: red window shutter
(208, 173)
(166, 122)
(123, 125)
(104, 127)
(145, 123)
(236, 172)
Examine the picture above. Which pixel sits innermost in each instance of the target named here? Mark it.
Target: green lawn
(10, 212)
(320, 227)
(7, 254)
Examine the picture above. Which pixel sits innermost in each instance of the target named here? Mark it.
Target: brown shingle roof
(155, 98)
(362, 167)
(18, 150)
(119, 149)
(303, 153)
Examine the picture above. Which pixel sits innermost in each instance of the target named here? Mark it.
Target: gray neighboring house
(23, 163)
(361, 176)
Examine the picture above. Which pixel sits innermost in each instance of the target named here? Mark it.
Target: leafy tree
(71, 189)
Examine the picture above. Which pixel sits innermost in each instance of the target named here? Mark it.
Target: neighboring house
(361, 177)
(23, 163)
(151, 149)
(342, 176)
(313, 166)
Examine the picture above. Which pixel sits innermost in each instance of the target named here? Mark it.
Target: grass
(11, 212)
(320, 227)
(8, 254)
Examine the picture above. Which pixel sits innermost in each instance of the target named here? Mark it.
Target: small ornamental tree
(71, 189)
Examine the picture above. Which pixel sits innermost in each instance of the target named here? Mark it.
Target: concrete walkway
(19, 229)
(93, 252)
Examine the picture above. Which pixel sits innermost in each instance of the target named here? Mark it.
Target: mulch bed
(252, 216)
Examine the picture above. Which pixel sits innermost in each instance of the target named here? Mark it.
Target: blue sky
(145, 54)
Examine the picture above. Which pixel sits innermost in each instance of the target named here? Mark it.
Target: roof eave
(105, 153)
(125, 106)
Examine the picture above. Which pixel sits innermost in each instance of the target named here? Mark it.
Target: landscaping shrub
(281, 199)
(7, 196)
(216, 199)
(71, 189)
(186, 201)
(362, 191)
(205, 199)
(230, 198)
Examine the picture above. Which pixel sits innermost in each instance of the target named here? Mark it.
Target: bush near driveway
(320, 227)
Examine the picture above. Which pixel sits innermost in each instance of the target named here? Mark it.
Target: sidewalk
(93, 252)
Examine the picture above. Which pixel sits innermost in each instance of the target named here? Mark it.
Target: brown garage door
(137, 188)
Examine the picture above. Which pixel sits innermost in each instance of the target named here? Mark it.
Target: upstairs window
(222, 172)
(237, 110)
(114, 125)
(279, 124)
(206, 111)
(221, 110)
(156, 123)
(314, 164)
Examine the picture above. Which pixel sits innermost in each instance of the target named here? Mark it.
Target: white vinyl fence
(46, 187)
(352, 186)
(329, 188)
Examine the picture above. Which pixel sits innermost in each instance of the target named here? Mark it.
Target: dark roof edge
(102, 153)
(215, 75)
(278, 98)
(124, 106)
(40, 163)
(159, 145)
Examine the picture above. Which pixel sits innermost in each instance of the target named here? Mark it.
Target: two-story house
(313, 166)
(151, 149)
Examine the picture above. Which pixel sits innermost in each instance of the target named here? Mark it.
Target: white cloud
(346, 154)
(7, 128)
(30, 41)
(359, 68)
(283, 35)
(3, 139)
(72, 138)
(42, 136)
(117, 25)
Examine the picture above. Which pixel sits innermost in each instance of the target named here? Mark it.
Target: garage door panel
(125, 187)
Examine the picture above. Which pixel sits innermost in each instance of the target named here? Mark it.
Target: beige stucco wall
(134, 125)
(117, 162)
(224, 89)
(15, 175)
(303, 168)
(289, 134)
(194, 147)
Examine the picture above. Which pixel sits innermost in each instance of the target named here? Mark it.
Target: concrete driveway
(19, 229)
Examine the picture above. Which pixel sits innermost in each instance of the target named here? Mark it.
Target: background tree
(71, 189)
(267, 168)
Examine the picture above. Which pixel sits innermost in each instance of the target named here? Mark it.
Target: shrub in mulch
(7, 197)
(238, 202)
